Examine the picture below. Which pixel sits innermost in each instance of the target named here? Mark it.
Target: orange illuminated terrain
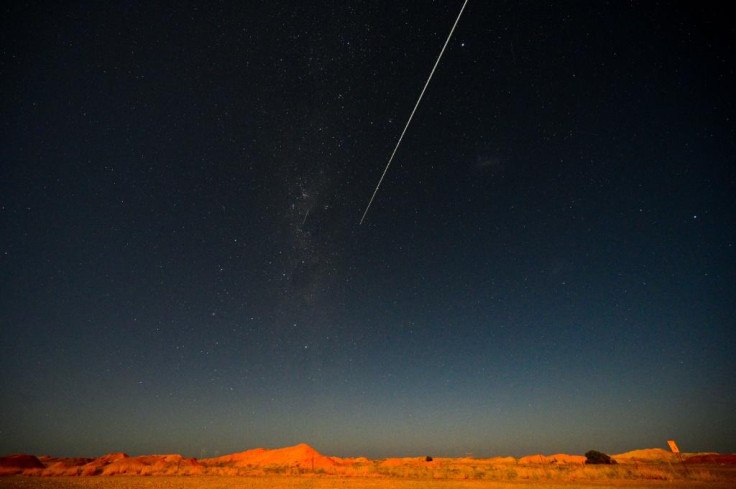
(301, 464)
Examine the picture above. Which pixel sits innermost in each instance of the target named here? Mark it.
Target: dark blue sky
(549, 265)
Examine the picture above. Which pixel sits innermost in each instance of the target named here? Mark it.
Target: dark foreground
(326, 482)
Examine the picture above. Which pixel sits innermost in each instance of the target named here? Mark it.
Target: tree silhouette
(593, 457)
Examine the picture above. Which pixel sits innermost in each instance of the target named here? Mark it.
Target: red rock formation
(15, 464)
(712, 458)
(301, 456)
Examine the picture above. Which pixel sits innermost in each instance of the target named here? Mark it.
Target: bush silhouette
(593, 457)
(428, 458)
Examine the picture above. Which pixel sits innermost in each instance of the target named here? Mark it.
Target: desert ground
(302, 466)
(286, 482)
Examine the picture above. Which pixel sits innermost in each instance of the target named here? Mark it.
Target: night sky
(549, 265)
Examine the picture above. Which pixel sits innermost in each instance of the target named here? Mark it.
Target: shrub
(593, 457)
(428, 459)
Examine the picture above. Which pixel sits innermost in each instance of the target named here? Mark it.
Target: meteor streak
(413, 111)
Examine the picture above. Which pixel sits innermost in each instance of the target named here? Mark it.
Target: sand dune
(559, 458)
(301, 456)
(647, 455)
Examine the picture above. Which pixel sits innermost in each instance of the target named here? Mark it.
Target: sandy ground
(207, 482)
